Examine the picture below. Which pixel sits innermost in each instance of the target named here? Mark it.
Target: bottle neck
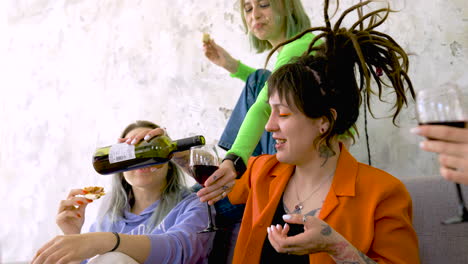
(187, 143)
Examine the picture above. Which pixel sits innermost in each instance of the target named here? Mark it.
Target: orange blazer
(369, 207)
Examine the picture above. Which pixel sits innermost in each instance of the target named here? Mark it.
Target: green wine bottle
(124, 157)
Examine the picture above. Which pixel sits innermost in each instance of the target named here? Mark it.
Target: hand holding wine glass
(219, 184)
(444, 107)
(451, 145)
(204, 161)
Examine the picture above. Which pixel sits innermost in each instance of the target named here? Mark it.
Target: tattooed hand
(318, 236)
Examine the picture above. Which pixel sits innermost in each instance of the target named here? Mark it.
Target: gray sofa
(434, 200)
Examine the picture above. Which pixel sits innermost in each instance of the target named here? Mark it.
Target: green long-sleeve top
(254, 122)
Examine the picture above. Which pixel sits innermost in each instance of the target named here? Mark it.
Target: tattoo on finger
(326, 231)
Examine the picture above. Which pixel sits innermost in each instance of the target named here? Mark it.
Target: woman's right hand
(219, 184)
(143, 135)
(451, 145)
(220, 56)
(71, 212)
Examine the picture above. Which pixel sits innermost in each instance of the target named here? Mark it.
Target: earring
(322, 130)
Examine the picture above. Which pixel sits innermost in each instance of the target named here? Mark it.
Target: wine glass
(204, 161)
(444, 106)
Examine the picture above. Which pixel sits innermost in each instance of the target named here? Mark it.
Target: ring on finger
(223, 194)
(225, 187)
(304, 218)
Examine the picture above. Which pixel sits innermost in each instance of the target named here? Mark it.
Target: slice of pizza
(94, 192)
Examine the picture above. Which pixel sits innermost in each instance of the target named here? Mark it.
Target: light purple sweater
(175, 239)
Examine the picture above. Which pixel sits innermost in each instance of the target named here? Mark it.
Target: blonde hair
(290, 13)
(122, 197)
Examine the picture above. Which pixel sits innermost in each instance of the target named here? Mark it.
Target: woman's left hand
(70, 248)
(317, 236)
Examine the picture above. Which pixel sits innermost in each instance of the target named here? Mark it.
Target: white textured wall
(75, 72)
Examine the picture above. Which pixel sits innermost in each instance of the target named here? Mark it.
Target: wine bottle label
(121, 152)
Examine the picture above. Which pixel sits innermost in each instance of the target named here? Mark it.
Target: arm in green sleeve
(256, 118)
(252, 127)
(243, 71)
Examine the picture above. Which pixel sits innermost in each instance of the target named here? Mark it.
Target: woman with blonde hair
(151, 217)
(267, 23)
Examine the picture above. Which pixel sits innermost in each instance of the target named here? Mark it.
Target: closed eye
(284, 115)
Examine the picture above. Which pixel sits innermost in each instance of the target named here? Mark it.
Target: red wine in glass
(444, 106)
(204, 161)
(462, 210)
(460, 124)
(202, 172)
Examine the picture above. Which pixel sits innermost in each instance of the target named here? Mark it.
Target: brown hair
(324, 77)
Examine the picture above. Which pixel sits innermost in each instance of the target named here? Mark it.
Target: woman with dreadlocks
(313, 202)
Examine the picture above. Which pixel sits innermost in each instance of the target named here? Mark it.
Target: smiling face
(263, 22)
(146, 178)
(294, 132)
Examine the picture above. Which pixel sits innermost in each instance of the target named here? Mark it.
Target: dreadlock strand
(312, 46)
(285, 43)
(378, 82)
(325, 14)
(361, 61)
(388, 48)
(371, 24)
(410, 85)
(347, 11)
(364, 54)
(383, 35)
(293, 39)
(360, 14)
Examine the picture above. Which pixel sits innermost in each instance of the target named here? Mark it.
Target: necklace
(298, 207)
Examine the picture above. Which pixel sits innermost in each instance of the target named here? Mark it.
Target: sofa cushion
(434, 200)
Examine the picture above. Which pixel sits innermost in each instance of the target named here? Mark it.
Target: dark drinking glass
(204, 161)
(444, 106)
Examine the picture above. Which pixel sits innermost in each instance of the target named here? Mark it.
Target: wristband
(118, 241)
(239, 164)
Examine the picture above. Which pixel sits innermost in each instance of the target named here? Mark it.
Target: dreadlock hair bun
(337, 73)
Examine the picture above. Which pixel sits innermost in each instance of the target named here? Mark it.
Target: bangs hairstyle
(122, 197)
(305, 84)
(340, 70)
(289, 13)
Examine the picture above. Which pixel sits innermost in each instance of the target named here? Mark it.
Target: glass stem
(461, 203)
(210, 216)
